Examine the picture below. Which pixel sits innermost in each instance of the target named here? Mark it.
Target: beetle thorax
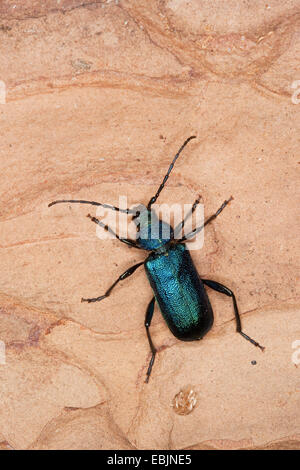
(153, 233)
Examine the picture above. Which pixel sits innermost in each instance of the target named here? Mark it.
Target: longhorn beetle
(178, 289)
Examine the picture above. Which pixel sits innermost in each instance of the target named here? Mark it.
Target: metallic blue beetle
(178, 289)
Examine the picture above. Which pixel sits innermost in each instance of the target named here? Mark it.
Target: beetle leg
(149, 315)
(127, 273)
(180, 226)
(110, 230)
(224, 290)
(212, 217)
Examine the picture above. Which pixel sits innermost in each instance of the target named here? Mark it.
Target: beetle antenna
(94, 203)
(153, 199)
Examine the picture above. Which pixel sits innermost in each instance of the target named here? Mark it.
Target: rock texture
(99, 97)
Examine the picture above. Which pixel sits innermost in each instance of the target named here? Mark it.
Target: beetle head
(152, 232)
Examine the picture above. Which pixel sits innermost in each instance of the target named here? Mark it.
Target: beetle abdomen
(180, 293)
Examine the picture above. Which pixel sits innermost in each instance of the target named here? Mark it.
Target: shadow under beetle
(178, 289)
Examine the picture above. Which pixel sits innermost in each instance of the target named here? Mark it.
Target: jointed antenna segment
(153, 199)
(93, 203)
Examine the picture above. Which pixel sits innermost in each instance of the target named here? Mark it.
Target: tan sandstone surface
(95, 99)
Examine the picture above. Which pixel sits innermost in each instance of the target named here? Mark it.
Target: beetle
(177, 287)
